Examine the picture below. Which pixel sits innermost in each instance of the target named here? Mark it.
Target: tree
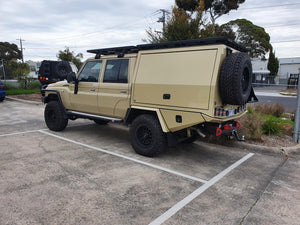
(21, 71)
(273, 64)
(245, 33)
(9, 51)
(68, 56)
(184, 23)
(187, 5)
(217, 8)
(182, 26)
(187, 22)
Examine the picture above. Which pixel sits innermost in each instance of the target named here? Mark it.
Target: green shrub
(250, 108)
(9, 86)
(21, 91)
(270, 109)
(293, 114)
(276, 119)
(272, 128)
(34, 85)
(252, 126)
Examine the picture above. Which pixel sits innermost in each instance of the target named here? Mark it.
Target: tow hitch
(237, 136)
(226, 129)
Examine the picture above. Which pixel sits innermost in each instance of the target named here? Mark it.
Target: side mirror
(71, 77)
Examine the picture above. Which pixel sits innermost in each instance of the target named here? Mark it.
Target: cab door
(114, 91)
(86, 100)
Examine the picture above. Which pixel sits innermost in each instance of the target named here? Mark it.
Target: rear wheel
(147, 137)
(54, 116)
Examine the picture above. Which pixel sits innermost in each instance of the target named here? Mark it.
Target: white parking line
(33, 131)
(178, 206)
(126, 157)
(18, 133)
(169, 213)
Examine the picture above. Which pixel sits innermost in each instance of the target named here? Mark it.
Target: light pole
(297, 115)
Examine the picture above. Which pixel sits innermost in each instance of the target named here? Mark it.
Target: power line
(269, 6)
(276, 42)
(282, 25)
(108, 30)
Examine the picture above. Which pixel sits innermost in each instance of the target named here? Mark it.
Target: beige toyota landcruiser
(167, 92)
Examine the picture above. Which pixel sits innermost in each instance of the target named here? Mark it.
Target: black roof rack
(120, 51)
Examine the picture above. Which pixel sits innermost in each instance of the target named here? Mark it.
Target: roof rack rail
(120, 51)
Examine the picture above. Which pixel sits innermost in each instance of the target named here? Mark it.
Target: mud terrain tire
(62, 69)
(147, 137)
(54, 116)
(236, 79)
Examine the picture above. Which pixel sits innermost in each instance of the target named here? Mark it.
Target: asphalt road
(272, 95)
(288, 102)
(89, 174)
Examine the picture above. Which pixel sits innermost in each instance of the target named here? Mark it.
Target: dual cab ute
(167, 92)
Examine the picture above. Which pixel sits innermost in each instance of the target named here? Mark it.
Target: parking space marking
(126, 157)
(178, 206)
(18, 133)
(33, 131)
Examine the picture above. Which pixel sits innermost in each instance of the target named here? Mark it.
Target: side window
(116, 71)
(90, 72)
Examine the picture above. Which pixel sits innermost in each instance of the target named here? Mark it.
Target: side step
(92, 116)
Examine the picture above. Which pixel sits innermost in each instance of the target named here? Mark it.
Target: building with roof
(261, 74)
(288, 67)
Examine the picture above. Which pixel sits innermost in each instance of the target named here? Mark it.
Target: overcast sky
(48, 26)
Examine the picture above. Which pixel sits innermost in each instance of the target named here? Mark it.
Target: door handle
(92, 89)
(123, 92)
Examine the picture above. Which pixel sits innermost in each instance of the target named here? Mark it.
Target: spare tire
(236, 79)
(62, 69)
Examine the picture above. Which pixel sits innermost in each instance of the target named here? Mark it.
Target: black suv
(53, 71)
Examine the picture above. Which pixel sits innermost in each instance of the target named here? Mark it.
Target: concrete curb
(23, 101)
(288, 94)
(287, 151)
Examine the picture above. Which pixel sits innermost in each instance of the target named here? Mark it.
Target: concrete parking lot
(89, 174)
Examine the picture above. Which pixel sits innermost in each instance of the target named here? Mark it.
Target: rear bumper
(228, 128)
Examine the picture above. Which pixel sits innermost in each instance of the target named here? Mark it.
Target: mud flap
(252, 97)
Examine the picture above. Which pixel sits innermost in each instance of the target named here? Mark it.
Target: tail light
(1, 86)
(229, 112)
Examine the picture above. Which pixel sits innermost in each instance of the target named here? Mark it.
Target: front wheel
(54, 116)
(147, 137)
